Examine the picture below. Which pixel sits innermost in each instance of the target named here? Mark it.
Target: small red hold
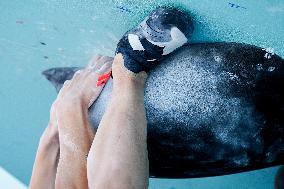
(103, 79)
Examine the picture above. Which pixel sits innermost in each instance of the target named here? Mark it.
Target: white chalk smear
(152, 60)
(269, 52)
(217, 59)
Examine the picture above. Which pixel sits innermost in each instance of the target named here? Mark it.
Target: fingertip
(104, 68)
(107, 59)
(98, 56)
(118, 57)
(94, 60)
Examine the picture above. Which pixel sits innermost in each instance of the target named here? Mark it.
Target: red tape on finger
(103, 79)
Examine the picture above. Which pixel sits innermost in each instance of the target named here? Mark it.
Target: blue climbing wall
(39, 34)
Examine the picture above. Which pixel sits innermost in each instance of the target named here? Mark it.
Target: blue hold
(233, 5)
(123, 8)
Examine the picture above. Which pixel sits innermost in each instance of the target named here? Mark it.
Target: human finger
(99, 63)
(93, 61)
(77, 74)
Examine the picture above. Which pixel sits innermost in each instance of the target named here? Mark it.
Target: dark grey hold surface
(212, 109)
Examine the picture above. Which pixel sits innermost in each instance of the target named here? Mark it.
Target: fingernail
(104, 68)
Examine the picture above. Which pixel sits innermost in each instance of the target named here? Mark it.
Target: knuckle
(67, 82)
(77, 73)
